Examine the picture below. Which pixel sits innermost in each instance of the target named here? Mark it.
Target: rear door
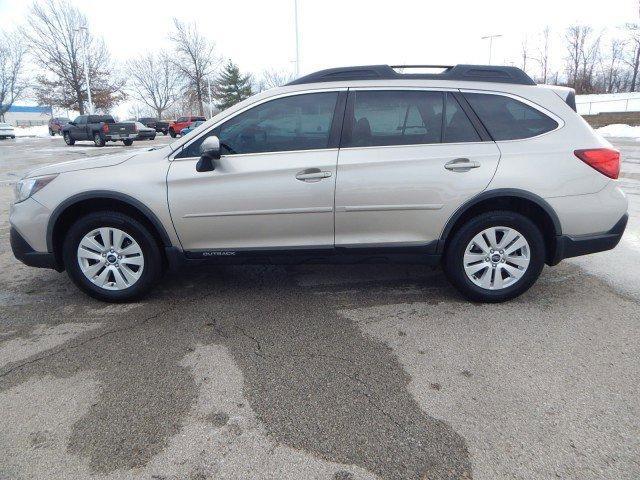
(273, 187)
(408, 159)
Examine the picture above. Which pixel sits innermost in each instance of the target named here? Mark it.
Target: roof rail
(472, 73)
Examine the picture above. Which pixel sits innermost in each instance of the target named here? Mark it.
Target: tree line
(45, 59)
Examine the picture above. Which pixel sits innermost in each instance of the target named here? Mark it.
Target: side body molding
(106, 194)
(498, 193)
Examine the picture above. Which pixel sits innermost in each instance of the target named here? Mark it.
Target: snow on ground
(41, 131)
(619, 130)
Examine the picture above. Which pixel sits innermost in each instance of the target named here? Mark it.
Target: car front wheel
(111, 256)
(495, 256)
(172, 133)
(67, 139)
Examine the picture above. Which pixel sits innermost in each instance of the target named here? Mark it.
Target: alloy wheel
(496, 258)
(110, 258)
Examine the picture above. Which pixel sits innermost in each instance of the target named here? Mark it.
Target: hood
(82, 164)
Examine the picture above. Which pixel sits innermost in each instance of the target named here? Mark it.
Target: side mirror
(72, 123)
(209, 151)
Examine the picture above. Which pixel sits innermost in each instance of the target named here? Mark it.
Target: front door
(79, 130)
(273, 187)
(408, 160)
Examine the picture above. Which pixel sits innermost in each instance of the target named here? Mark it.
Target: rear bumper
(23, 252)
(568, 246)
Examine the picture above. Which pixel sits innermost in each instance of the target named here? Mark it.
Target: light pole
(295, 9)
(490, 37)
(209, 88)
(86, 65)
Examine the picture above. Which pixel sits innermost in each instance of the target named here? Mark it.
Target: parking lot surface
(327, 372)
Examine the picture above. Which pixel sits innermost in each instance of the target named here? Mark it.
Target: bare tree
(272, 78)
(612, 73)
(632, 57)
(524, 51)
(154, 80)
(583, 56)
(56, 33)
(543, 54)
(196, 59)
(12, 70)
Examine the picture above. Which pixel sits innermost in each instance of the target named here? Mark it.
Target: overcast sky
(259, 34)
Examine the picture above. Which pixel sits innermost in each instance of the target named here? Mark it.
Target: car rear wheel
(98, 140)
(128, 143)
(67, 139)
(111, 256)
(495, 256)
(51, 132)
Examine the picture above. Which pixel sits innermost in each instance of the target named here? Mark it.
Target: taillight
(604, 160)
(105, 127)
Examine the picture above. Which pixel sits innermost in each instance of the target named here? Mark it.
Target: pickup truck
(100, 129)
(155, 123)
(183, 122)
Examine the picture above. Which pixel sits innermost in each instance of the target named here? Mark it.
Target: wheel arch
(521, 201)
(64, 214)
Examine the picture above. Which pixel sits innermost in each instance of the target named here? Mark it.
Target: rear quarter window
(509, 119)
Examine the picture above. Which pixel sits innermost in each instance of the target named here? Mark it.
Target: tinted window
(508, 119)
(81, 120)
(457, 126)
(301, 122)
(182, 119)
(394, 118)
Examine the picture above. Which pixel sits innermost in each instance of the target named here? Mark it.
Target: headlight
(28, 186)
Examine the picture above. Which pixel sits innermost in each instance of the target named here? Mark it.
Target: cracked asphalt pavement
(319, 372)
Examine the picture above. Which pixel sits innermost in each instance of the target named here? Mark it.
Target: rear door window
(509, 119)
(394, 117)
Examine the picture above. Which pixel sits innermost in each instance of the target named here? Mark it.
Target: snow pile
(41, 131)
(619, 130)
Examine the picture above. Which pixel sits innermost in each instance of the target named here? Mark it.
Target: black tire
(98, 140)
(153, 138)
(164, 132)
(67, 139)
(128, 143)
(52, 133)
(455, 251)
(172, 133)
(150, 250)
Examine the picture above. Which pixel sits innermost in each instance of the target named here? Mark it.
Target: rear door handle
(461, 165)
(312, 175)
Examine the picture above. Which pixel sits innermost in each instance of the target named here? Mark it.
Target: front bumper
(23, 252)
(573, 246)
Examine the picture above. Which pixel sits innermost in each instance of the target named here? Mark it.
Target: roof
(475, 73)
(29, 109)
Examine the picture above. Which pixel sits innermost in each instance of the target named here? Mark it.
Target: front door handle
(312, 175)
(461, 165)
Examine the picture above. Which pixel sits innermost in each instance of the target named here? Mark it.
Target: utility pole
(85, 33)
(209, 88)
(295, 9)
(490, 37)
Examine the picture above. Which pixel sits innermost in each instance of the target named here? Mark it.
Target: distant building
(26, 116)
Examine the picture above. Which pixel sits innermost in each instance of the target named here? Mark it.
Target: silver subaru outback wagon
(475, 168)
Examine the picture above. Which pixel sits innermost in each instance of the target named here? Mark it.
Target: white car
(475, 168)
(6, 131)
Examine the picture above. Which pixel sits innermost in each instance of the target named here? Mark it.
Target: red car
(183, 122)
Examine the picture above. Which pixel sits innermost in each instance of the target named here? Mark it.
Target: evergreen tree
(232, 87)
